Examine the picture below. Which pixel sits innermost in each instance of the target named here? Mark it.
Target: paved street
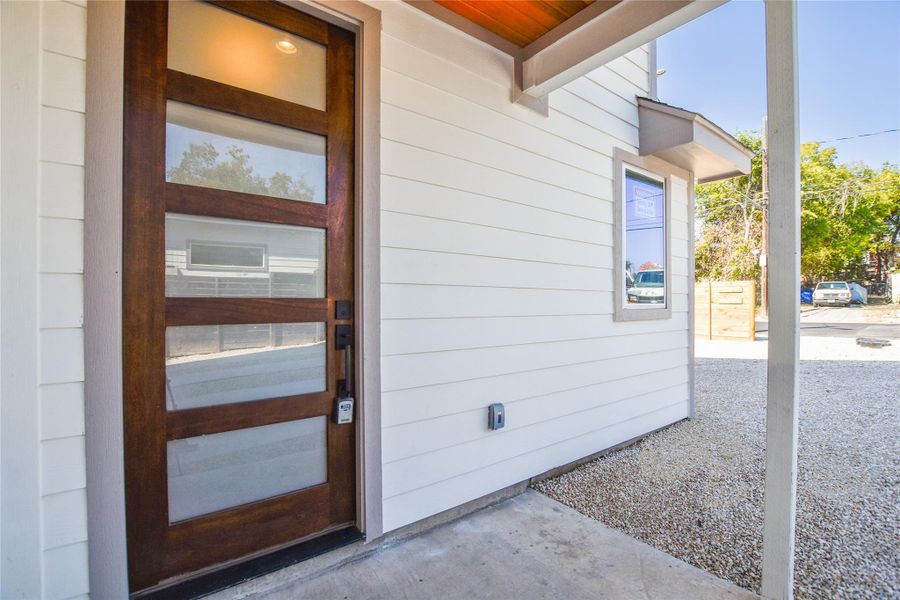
(851, 322)
(877, 313)
(827, 333)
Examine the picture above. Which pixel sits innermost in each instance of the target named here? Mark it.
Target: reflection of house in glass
(220, 364)
(224, 258)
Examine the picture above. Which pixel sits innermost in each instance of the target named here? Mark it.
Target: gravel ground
(695, 490)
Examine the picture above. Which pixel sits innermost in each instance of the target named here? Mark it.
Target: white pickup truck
(649, 287)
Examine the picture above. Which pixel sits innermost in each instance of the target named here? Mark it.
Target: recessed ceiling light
(286, 47)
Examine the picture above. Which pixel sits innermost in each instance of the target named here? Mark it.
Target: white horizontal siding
(412, 301)
(413, 129)
(447, 493)
(418, 336)
(57, 244)
(430, 64)
(410, 162)
(405, 196)
(66, 572)
(438, 432)
(410, 265)
(406, 371)
(497, 273)
(430, 467)
(439, 235)
(404, 91)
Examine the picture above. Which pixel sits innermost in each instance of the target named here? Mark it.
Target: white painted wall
(44, 550)
(497, 273)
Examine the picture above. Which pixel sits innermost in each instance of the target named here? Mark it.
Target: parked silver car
(832, 293)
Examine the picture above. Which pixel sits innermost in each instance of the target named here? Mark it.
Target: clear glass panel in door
(212, 149)
(212, 257)
(208, 365)
(214, 472)
(217, 44)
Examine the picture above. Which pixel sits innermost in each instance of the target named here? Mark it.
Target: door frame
(104, 441)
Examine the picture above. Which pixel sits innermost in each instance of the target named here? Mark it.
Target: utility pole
(764, 251)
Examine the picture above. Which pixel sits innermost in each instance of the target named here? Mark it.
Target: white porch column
(784, 300)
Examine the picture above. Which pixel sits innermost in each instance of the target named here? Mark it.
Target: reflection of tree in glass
(200, 165)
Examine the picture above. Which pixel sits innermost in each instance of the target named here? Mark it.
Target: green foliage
(847, 210)
(201, 165)
(730, 216)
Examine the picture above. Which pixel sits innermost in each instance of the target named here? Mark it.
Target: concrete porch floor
(524, 548)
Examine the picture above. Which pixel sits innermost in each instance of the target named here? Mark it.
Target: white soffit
(688, 140)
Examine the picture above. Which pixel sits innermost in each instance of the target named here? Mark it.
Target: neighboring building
(206, 215)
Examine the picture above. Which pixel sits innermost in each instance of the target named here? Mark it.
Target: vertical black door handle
(343, 340)
(348, 370)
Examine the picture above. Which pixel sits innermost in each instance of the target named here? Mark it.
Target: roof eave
(690, 141)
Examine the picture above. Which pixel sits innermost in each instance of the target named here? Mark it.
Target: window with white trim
(642, 273)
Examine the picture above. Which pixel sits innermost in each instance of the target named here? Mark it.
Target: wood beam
(563, 55)
(784, 299)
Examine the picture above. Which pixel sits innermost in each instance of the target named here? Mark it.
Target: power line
(813, 190)
(853, 137)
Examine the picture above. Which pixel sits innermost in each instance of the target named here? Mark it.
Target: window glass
(217, 44)
(209, 365)
(644, 241)
(211, 257)
(212, 149)
(222, 470)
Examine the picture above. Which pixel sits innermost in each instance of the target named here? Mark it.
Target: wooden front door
(238, 283)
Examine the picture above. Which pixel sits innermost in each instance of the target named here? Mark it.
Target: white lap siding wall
(497, 273)
(46, 87)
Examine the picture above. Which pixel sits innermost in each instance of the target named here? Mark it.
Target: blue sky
(849, 72)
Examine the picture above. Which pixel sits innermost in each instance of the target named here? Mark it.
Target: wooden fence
(725, 310)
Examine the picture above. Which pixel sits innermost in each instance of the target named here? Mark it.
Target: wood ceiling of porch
(520, 22)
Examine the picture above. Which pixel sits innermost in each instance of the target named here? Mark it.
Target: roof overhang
(689, 140)
(592, 37)
(588, 41)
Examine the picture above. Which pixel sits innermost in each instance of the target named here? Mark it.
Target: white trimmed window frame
(656, 170)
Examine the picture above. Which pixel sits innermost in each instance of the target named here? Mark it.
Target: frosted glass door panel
(218, 44)
(217, 150)
(211, 257)
(208, 365)
(223, 470)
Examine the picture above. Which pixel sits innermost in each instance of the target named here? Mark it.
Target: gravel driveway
(695, 490)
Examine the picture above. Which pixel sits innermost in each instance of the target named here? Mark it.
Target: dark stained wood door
(238, 242)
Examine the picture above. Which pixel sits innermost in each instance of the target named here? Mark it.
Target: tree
(845, 211)
(886, 243)
(730, 214)
(201, 165)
